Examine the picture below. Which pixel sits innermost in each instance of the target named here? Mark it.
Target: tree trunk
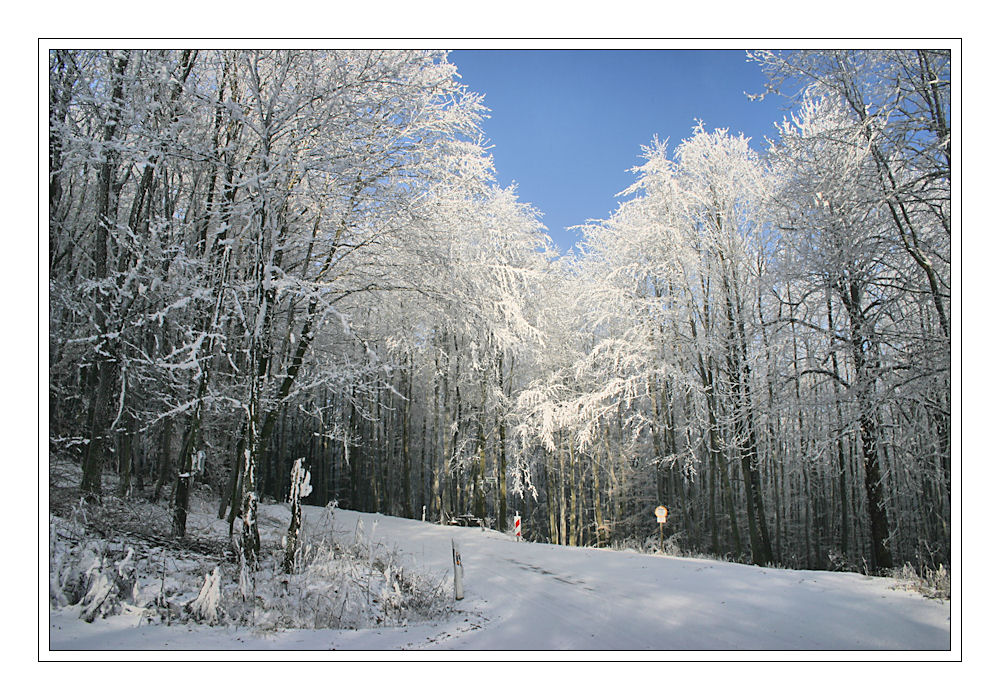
(125, 463)
(182, 497)
(231, 497)
(502, 455)
(867, 407)
(561, 486)
(407, 486)
(760, 543)
(98, 447)
(163, 470)
(479, 478)
(550, 500)
(598, 517)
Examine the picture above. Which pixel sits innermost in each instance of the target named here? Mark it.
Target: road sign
(517, 526)
(661, 518)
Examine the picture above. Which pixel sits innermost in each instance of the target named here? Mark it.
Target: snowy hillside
(525, 597)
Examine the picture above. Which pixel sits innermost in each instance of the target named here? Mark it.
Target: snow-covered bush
(341, 580)
(93, 577)
(929, 582)
(837, 560)
(651, 545)
(208, 605)
(354, 585)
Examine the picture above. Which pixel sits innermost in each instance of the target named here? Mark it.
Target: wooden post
(456, 561)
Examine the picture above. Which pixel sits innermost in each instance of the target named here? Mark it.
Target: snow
(530, 597)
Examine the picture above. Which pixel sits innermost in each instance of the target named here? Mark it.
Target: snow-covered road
(527, 597)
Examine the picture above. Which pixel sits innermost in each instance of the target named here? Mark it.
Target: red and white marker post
(517, 526)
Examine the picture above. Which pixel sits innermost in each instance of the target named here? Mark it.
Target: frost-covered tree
(682, 277)
(113, 239)
(261, 256)
(900, 101)
(270, 196)
(843, 247)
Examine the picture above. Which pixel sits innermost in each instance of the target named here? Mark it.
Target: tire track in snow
(572, 614)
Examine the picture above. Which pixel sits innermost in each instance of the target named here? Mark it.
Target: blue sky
(567, 125)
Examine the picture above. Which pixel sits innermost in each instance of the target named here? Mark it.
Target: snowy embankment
(526, 596)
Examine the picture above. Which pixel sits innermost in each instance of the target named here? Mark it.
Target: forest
(292, 274)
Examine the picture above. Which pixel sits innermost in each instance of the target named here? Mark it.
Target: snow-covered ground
(527, 597)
